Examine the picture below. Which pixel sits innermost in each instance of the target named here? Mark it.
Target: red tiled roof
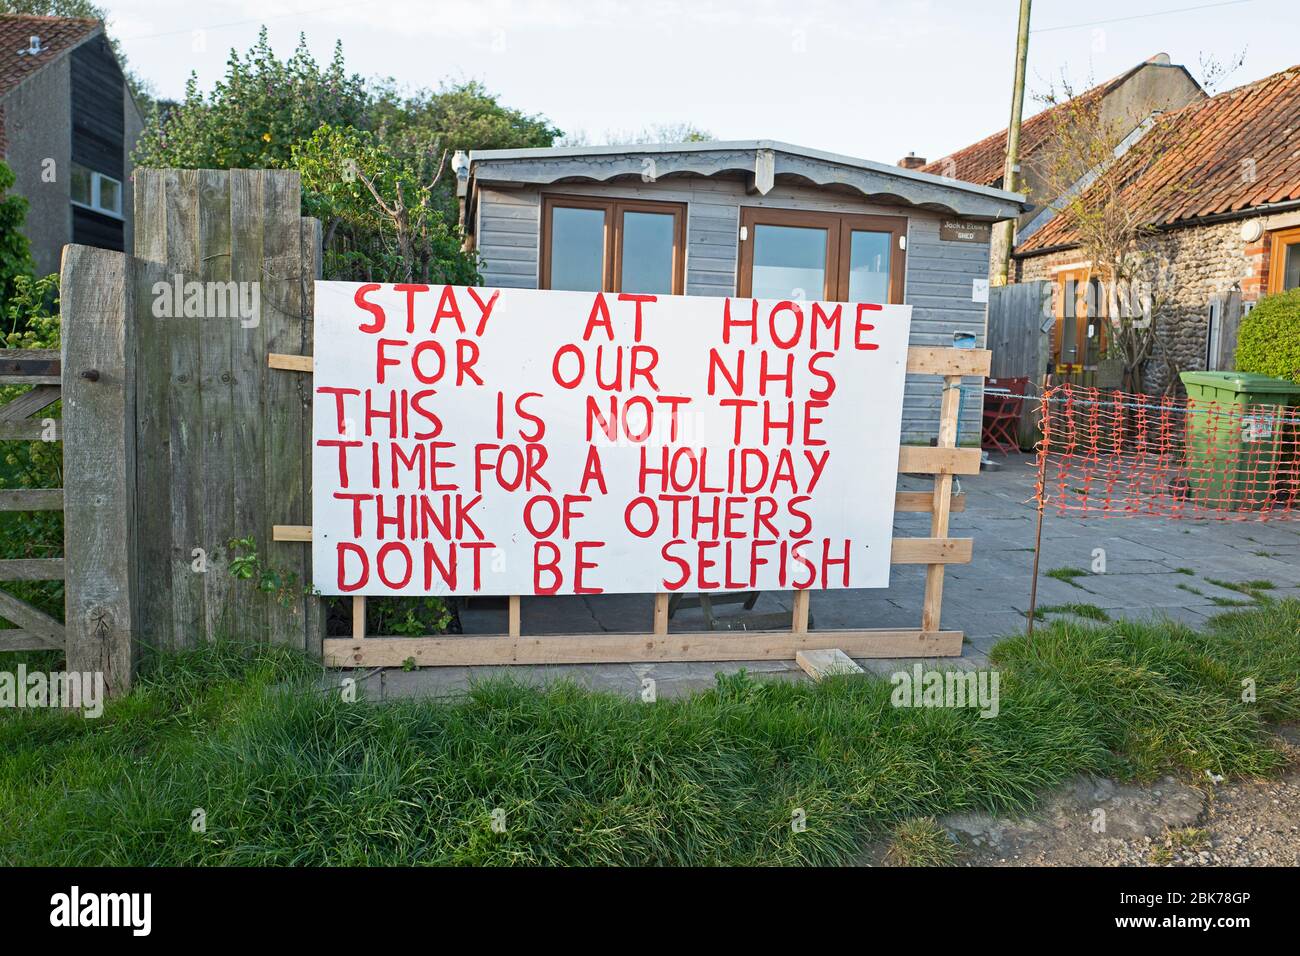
(1233, 152)
(982, 162)
(58, 36)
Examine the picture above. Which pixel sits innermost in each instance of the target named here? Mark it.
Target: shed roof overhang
(762, 162)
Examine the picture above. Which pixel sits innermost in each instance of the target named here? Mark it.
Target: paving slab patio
(1153, 567)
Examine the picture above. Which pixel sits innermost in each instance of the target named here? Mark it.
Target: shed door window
(869, 261)
(789, 262)
(1284, 264)
(792, 254)
(613, 245)
(578, 249)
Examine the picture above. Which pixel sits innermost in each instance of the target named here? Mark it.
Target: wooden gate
(40, 368)
(91, 376)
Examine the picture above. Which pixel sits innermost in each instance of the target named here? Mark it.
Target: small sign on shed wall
(958, 230)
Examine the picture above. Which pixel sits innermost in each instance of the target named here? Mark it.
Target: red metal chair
(1003, 400)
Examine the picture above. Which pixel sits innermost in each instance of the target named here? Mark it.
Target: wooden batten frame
(936, 551)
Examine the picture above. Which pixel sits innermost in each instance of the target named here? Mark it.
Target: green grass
(921, 842)
(1068, 575)
(290, 775)
(1088, 611)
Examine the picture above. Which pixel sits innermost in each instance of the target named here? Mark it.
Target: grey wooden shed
(757, 218)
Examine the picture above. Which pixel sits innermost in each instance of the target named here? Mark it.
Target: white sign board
(512, 441)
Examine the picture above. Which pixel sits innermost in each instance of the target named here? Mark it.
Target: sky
(874, 78)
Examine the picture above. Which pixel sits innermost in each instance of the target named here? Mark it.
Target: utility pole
(1005, 234)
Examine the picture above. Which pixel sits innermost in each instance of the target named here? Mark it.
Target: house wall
(1200, 262)
(133, 127)
(37, 120)
(938, 281)
(98, 136)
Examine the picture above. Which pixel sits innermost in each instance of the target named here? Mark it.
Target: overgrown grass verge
(286, 774)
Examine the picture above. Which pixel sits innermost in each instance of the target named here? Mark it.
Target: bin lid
(1241, 382)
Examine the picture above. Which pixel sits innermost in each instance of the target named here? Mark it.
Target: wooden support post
(949, 409)
(359, 616)
(96, 289)
(515, 616)
(801, 603)
(661, 613)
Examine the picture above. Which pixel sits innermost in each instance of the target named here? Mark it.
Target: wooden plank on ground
(31, 499)
(832, 662)
(31, 569)
(632, 648)
(99, 465)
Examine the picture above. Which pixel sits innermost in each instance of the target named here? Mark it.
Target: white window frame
(95, 204)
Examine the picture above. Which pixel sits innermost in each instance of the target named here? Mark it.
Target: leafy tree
(380, 210)
(461, 115)
(15, 252)
(455, 116)
(256, 114)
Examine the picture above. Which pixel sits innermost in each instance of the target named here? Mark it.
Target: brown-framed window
(613, 245)
(1284, 260)
(793, 253)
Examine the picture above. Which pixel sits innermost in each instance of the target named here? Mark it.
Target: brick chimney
(912, 161)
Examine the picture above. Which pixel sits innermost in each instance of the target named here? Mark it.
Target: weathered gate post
(98, 464)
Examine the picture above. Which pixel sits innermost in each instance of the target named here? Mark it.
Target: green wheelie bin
(1241, 440)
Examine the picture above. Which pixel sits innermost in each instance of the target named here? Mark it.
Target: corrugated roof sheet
(1233, 152)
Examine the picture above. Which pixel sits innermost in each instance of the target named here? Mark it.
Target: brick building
(1227, 233)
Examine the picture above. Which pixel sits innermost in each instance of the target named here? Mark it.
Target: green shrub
(1269, 339)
